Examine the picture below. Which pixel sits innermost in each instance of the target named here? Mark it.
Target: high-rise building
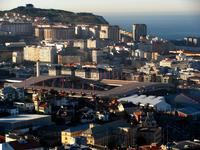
(59, 33)
(39, 33)
(114, 33)
(138, 31)
(85, 31)
(192, 41)
(71, 55)
(17, 28)
(104, 31)
(44, 54)
(54, 32)
(99, 56)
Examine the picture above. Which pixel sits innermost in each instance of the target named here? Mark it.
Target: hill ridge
(57, 15)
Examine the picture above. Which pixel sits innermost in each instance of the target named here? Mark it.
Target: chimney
(38, 68)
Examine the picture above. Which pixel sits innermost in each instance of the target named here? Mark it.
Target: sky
(112, 6)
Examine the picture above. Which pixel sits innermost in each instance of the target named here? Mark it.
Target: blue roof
(189, 110)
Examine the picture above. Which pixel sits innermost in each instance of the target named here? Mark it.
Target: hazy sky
(111, 6)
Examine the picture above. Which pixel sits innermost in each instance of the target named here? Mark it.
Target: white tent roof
(156, 102)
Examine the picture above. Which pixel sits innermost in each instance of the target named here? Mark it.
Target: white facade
(104, 29)
(166, 63)
(45, 54)
(149, 68)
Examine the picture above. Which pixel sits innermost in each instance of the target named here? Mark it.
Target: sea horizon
(166, 26)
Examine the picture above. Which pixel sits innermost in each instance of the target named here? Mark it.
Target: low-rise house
(167, 78)
(167, 63)
(149, 78)
(83, 73)
(188, 73)
(54, 70)
(102, 116)
(137, 77)
(67, 136)
(24, 106)
(195, 80)
(10, 93)
(68, 71)
(67, 112)
(44, 107)
(149, 68)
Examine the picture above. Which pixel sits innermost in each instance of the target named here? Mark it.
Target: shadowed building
(138, 31)
(17, 29)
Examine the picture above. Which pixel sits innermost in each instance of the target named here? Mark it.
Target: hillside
(54, 15)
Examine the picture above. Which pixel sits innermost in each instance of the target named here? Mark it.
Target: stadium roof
(121, 89)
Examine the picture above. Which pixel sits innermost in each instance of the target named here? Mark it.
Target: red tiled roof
(2, 139)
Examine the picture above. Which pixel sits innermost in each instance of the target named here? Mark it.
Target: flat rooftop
(21, 118)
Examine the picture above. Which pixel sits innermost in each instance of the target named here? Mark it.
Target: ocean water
(163, 26)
